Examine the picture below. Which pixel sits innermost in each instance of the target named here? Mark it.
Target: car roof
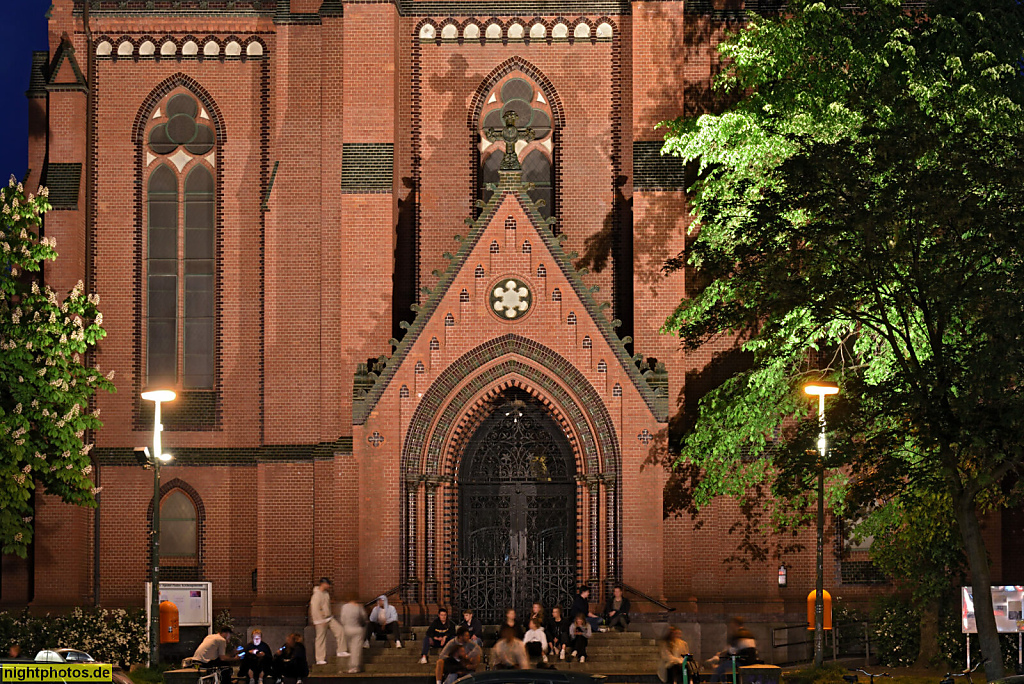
(529, 676)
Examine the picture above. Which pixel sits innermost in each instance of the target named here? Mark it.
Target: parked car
(530, 677)
(74, 655)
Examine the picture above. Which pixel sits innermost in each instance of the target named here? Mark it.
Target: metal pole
(819, 581)
(154, 599)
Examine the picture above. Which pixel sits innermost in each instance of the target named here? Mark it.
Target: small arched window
(479, 273)
(404, 392)
(494, 247)
(449, 320)
(556, 296)
(527, 247)
(464, 296)
(571, 319)
(617, 390)
(542, 272)
(587, 342)
(179, 529)
(434, 344)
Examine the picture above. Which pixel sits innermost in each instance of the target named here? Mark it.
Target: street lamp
(157, 396)
(820, 389)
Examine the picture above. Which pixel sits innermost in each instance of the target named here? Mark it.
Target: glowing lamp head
(821, 388)
(160, 395)
(166, 458)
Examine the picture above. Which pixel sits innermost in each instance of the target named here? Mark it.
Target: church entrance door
(517, 513)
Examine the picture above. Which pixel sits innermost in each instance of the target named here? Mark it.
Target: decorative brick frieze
(367, 167)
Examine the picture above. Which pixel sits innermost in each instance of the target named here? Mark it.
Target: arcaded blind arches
(181, 268)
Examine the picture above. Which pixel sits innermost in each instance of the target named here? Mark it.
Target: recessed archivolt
(483, 406)
(450, 397)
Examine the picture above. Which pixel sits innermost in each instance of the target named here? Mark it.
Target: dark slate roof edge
(361, 408)
(66, 51)
(245, 456)
(38, 75)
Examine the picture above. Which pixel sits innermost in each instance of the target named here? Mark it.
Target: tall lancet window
(180, 254)
(518, 93)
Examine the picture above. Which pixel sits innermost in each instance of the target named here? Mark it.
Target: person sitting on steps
(290, 663)
(616, 610)
(213, 653)
(510, 621)
(557, 632)
(536, 641)
(440, 631)
(459, 657)
(579, 636)
(472, 623)
(383, 622)
(256, 660)
(581, 606)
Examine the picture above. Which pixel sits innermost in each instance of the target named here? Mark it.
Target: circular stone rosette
(510, 298)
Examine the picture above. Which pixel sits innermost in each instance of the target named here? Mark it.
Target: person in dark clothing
(290, 661)
(581, 606)
(472, 623)
(440, 631)
(537, 613)
(257, 659)
(557, 631)
(616, 610)
(511, 621)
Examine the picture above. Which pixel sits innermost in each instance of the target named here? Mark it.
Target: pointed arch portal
(498, 513)
(517, 511)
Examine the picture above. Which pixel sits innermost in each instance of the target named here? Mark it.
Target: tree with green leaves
(858, 215)
(45, 384)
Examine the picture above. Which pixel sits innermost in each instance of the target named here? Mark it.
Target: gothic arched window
(181, 244)
(179, 529)
(517, 92)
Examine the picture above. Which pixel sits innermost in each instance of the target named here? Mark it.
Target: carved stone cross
(511, 134)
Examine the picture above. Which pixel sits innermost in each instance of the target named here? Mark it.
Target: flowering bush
(45, 386)
(896, 633)
(113, 636)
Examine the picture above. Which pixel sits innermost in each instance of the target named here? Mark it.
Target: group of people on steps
(533, 643)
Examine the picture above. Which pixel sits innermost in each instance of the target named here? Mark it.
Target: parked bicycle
(853, 679)
(966, 674)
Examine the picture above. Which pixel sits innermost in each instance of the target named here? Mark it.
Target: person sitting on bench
(439, 633)
(213, 653)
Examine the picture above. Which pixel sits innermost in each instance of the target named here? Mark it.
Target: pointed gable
(510, 277)
(65, 74)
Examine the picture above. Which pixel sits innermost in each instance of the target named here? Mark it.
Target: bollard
(686, 673)
(735, 674)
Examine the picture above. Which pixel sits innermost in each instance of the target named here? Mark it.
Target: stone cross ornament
(511, 134)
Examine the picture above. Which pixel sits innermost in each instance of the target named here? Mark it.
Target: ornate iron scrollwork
(517, 503)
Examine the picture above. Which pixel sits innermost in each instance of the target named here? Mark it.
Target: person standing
(439, 633)
(509, 653)
(616, 610)
(322, 616)
(674, 650)
(353, 625)
(383, 622)
(579, 636)
(256, 659)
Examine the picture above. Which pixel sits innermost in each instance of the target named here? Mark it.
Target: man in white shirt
(322, 617)
(213, 653)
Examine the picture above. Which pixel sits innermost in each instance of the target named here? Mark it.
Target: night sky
(22, 30)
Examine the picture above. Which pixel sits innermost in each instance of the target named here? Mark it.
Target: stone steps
(625, 655)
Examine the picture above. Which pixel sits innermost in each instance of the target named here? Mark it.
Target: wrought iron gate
(517, 511)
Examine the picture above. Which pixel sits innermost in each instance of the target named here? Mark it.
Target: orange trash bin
(827, 618)
(168, 623)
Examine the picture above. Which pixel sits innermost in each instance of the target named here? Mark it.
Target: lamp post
(157, 396)
(821, 390)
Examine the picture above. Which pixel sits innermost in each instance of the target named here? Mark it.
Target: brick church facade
(402, 262)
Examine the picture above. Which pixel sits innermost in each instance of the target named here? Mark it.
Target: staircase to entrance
(621, 656)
